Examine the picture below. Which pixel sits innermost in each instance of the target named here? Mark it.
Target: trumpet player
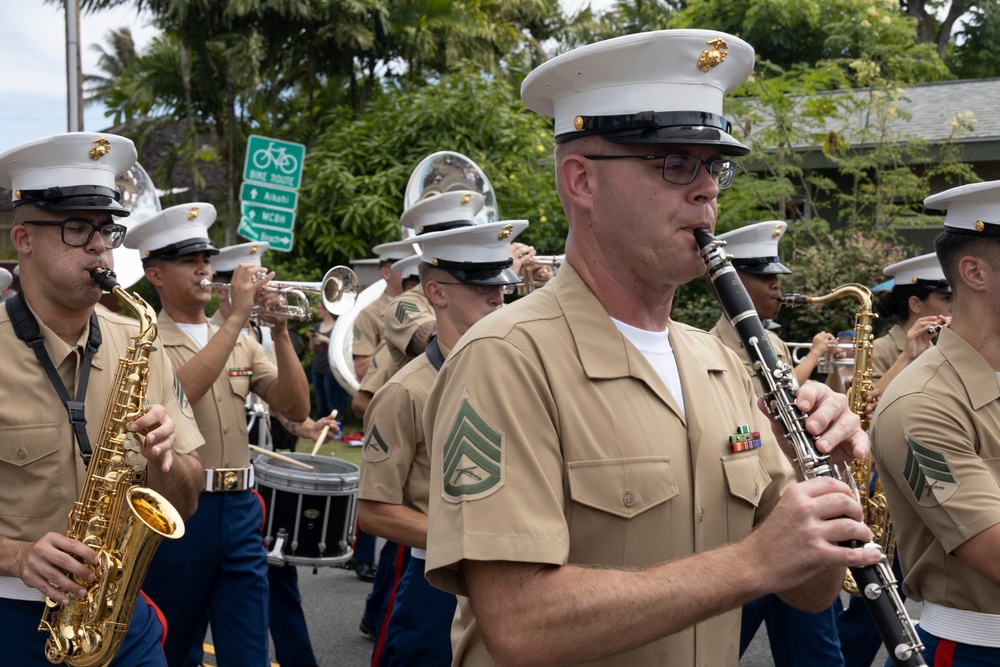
(66, 220)
(935, 443)
(222, 554)
(795, 637)
(919, 303)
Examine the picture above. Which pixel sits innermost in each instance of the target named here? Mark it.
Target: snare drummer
(465, 273)
(222, 554)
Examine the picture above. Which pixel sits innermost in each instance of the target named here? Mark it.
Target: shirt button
(628, 499)
(21, 454)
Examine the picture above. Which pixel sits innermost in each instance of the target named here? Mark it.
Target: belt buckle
(228, 479)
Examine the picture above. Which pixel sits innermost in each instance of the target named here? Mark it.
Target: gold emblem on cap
(253, 250)
(913, 279)
(714, 56)
(980, 225)
(434, 261)
(505, 231)
(193, 213)
(100, 148)
(466, 199)
(578, 123)
(777, 232)
(17, 194)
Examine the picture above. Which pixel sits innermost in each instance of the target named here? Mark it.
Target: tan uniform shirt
(886, 350)
(554, 441)
(41, 472)
(395, 466)
(936, 443)
(725, 331)
(221, 413)
(407, 313)
(369, 328)
(379, 371)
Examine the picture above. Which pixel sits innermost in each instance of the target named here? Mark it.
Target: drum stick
(322, 436)
(280, 457)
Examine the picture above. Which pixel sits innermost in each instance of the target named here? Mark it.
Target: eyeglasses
(683, 169)
(483, 289)
(77, 233)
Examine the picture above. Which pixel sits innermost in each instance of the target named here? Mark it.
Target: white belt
(965, 627)
(12, 588)
(418, 553)
(228, 479)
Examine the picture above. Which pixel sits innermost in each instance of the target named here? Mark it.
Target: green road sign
(279, 239)
(255, 193)
(274, 162)
(278, 218)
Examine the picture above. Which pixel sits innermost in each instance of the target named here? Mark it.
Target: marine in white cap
(465, 273)
(754, 251)
(59, 356)
(218, 367)
(918, 304)
(794, 636)
(585, 492)
(935, 442)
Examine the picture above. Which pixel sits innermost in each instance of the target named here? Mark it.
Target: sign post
(272, 174)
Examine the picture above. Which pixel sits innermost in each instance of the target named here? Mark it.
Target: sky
(33, 44)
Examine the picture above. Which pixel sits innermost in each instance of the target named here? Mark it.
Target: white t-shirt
(196, 332)
(655, 347)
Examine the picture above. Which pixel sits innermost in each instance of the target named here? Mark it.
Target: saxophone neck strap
(433, 351)
(26, 329)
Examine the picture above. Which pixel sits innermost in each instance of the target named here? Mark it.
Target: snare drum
(310, 514)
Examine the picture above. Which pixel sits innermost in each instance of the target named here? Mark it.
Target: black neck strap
(26, 329)
(433, 351)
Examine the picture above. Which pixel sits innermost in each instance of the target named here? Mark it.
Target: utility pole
(74, 73)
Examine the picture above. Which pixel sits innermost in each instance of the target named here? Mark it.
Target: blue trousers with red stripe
(24, 645)
(219, 565)
(797, 638)
(418, 631)
(946, 653)
(391, 565)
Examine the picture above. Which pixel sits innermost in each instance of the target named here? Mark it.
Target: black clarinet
(876, 582)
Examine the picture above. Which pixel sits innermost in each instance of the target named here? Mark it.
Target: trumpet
(828, 361)
(338, 290)
(527, 284)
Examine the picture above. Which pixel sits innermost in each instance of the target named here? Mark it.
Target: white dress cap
(446, 210)
(242, 253)
(971, 209)
(407, 267)
(663, 87)
(173, 232)
(68, 172)
(478, 255)
(5, 279)
(393, 252)
(924, 270)
(755, 247)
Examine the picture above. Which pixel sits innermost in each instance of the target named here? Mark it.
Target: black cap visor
(476, 273)
(761, 266)
(74, 198)
(674, 127)
(182, 248)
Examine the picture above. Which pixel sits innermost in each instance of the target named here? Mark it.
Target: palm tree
(113, 61)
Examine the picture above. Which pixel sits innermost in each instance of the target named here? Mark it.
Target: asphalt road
(333, 600)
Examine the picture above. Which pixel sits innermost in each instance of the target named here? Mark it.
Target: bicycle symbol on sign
(279, 157)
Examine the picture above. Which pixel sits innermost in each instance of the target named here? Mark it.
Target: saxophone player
(935, 443)
(796, 637)
(66, 217)
(225, 570)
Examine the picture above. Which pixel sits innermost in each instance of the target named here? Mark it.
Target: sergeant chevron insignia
(928, 474)
(473, 457)
(404, 307)
(375, 448)
(182, 399)
(357, 332)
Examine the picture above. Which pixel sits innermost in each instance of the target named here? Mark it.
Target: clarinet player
(67, 219)
(606, 512)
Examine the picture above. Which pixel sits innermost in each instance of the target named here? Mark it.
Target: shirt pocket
(622, 487)
(30, 479)
(746, 479)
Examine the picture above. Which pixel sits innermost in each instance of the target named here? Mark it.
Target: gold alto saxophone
(862, 470)
(115, 516)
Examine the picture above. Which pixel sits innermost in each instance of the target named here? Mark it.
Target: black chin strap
(26, 329)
